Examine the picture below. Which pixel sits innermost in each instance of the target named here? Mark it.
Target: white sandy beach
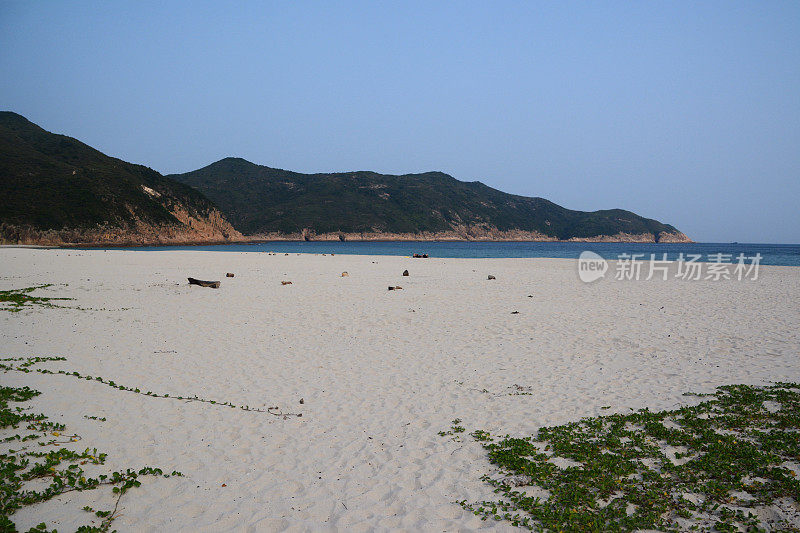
(380, 373)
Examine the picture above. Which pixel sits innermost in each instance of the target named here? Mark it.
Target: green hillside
(57, 183)
(258, 199)
(57, 189)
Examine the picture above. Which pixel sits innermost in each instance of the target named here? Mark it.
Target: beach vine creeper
(714, 465)
(60, 467)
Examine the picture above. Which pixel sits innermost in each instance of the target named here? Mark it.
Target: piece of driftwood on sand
(211, 284)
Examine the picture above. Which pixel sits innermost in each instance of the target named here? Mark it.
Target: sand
(380, 374)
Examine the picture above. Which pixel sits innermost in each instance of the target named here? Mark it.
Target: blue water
(771, 254)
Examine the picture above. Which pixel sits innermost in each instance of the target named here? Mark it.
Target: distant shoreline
(770, 254)
(511, 236)
(266, 241)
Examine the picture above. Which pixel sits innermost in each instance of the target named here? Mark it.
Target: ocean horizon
(770, 254)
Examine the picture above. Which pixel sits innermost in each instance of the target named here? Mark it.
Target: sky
(686, 112)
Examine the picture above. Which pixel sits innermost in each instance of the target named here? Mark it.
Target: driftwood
(286, 282)
(229, 275)
(211, 284)
(396, 288)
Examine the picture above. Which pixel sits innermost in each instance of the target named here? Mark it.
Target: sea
(766, 254)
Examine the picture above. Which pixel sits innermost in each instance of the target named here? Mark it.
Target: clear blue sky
(687, 112)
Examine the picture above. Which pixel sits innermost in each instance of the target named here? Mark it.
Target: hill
(266, 202)
(57, 190)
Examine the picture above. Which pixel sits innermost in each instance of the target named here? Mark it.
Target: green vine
(16, 299)
(61, 466)
(26, 365)
(693, 468)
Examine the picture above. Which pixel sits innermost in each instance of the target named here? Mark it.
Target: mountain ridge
(268, 203)
(57, 190)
